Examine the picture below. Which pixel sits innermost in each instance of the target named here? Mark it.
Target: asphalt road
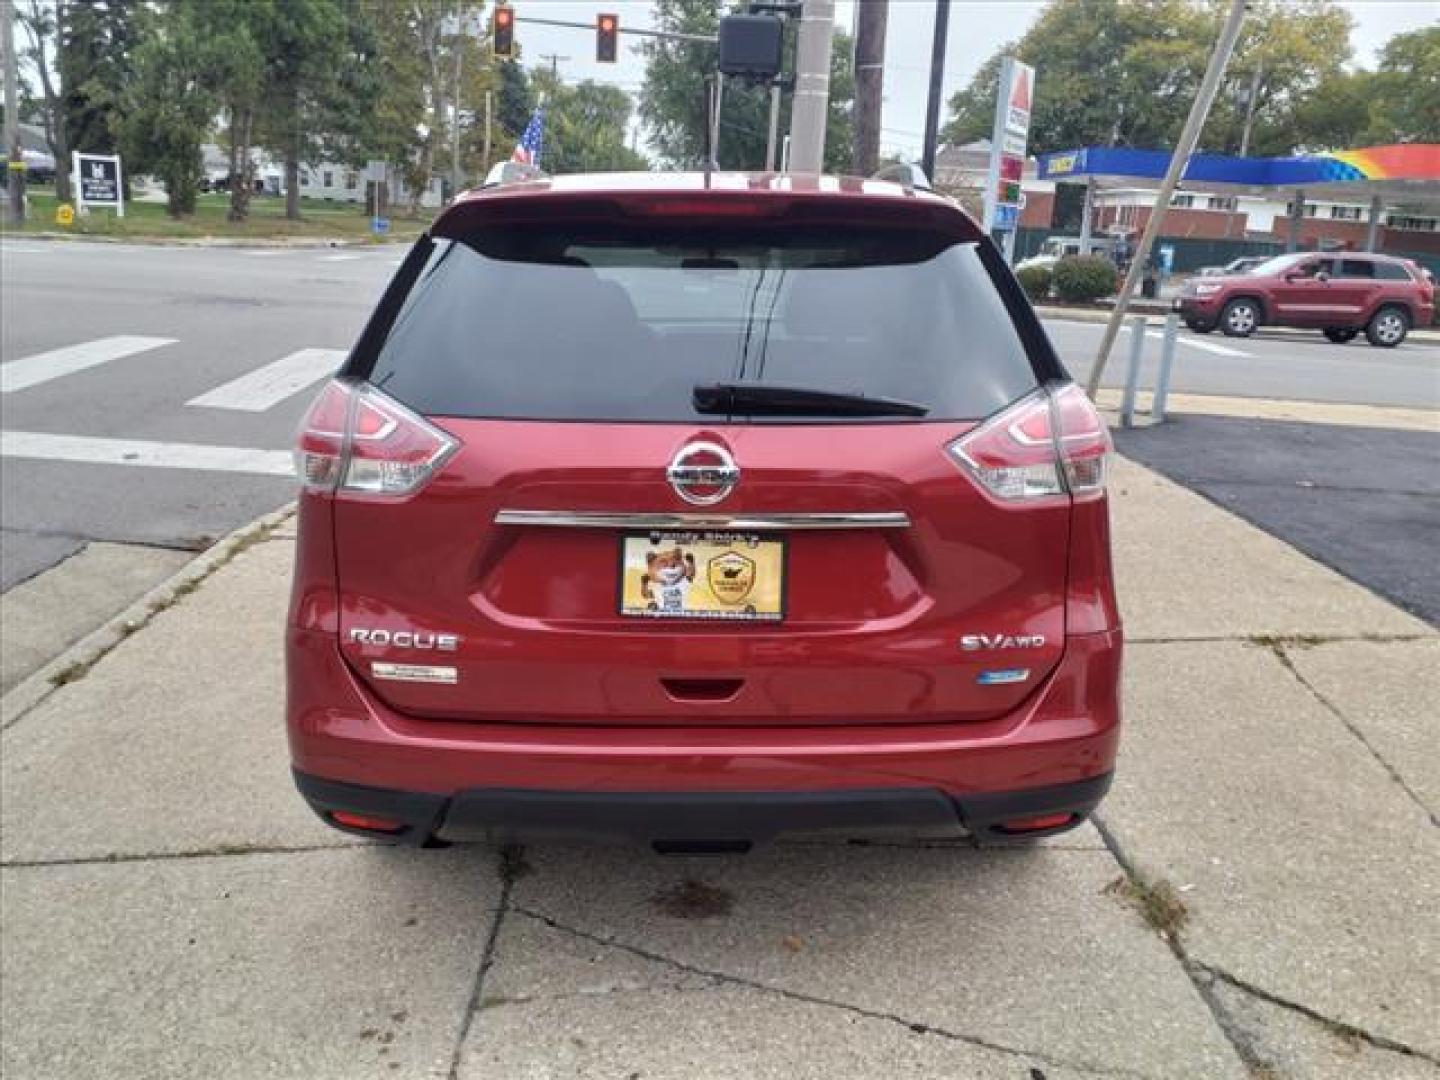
(1363, 501)
(82, 427)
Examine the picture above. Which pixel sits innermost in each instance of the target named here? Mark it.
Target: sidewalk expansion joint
(511, 868)
(1278, 647)
(1337, 1027)
(1269, 641)
(721, 978)
(220, 851)
(1244, 1047)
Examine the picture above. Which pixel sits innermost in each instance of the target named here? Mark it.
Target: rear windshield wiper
(764, 399)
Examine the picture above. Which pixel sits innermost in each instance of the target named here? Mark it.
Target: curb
(309, 243)
(1428, 335)
(89, 650)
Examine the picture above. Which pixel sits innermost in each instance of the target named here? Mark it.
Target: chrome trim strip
(603, 519)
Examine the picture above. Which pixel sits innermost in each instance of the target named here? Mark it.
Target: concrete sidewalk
(1258, 898)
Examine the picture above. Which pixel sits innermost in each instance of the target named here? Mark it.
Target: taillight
(354, 438)
(1044, 445)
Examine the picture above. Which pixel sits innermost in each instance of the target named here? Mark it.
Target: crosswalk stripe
(264, 387)
(41, 368)
(89, 450)
(1204, 346)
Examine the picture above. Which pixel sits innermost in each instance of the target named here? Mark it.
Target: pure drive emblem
(405, 639)
(976, 642)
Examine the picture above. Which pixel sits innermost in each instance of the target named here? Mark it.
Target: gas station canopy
(1406, 173)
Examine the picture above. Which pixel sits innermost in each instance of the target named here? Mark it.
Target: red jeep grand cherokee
(1341, 294)
(697, 511)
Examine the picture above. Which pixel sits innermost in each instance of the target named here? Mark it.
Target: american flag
(527, 150)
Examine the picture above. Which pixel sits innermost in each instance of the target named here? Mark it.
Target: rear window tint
(621, 324)
(1391, 271)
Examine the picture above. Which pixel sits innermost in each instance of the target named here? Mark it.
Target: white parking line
(87, 450)
(33, 370)
(11, 249)
(264, 387)
(338, 258)
(1218, 350)
(263, 253)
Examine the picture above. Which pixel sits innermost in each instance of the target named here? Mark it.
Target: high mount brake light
(1044, 445)
(355, 439)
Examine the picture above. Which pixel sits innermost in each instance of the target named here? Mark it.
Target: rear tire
(1341, 334)
(1388, 328)
(1199, 327)
(1240, 318)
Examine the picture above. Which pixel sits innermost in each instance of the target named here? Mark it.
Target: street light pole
(15, 165)
(1178, 160)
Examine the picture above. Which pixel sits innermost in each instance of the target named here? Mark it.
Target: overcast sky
(977, 29)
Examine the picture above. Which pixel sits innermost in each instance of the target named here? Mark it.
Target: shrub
(1083, 278)
(1036, 281)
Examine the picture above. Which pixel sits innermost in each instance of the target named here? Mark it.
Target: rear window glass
(1391, 271)
(622, 324)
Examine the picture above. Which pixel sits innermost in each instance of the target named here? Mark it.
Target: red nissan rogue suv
(696, 510)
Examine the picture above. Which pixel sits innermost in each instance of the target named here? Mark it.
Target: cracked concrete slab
(1390, 692)
(724, 1032)
(1307, 870)
(1239, 582)
(1022, 949)
(42, 616)
(1295, 1046)
(174, 742)
(328, 965)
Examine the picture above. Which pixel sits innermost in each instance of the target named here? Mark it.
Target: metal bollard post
(1167, 360)
(1132, 377)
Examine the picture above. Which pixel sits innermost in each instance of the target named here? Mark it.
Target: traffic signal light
(607, 35)
(502, 32)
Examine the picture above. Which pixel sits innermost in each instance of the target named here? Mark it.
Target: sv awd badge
(976, 642)
(405, 639)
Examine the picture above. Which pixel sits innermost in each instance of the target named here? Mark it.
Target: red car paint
(865, 684)
(1341, 293)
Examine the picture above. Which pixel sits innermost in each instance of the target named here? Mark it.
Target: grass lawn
(319, 220)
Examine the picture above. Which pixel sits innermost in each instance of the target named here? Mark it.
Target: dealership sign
(1007, 145)
(97, 181)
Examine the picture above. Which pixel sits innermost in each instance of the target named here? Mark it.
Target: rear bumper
(690, 819)
(471, 778)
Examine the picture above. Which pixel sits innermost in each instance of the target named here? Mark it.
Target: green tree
(1336, 113)
(514, 101)
(304, 45)
(165, 112)
(95, 62)
(42, 22)
(672, 103)
(1406, 102)
(585, 127)
(1112, 72)
(1286, 53)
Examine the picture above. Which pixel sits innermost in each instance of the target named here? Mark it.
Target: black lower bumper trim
(671, 820)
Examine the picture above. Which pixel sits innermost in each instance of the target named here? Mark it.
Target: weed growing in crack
(1158, 902)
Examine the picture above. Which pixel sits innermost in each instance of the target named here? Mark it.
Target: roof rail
(905, 174)
(512, 172)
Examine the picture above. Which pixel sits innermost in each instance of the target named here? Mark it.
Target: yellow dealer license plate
(702, 575)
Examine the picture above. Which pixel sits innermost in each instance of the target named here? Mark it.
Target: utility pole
(937, 79)
(1250, 109)
(869, 82)
(811, 106)
(554, 59)
(1178, 160)
(15, 165)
